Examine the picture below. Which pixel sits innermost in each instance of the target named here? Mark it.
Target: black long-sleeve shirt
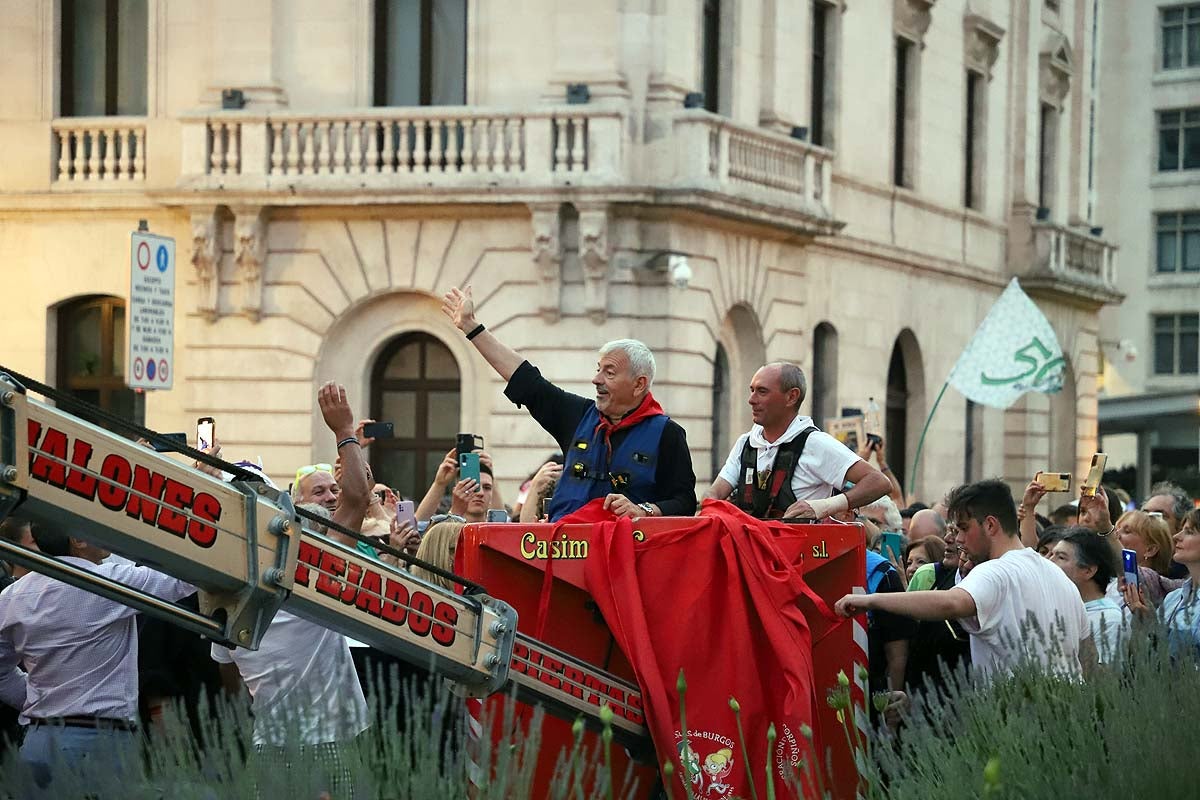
(559, 412)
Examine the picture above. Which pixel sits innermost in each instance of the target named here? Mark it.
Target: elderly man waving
(619, 446)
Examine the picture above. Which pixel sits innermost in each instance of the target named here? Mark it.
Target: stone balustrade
(1064, 251)
(98, 150)
(389, 147)
(717, 153)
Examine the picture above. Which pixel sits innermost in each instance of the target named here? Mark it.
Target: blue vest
(587, 473)
(877, 567)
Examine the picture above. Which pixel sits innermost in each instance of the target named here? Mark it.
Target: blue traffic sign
(162, 258)
(150, 368)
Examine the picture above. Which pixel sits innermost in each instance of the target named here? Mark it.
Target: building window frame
(1176, 337)
(974, 128)
(115, 41)
(1177, 242)
(101, 380)
(905, 94)
(1047, 172)
(421, 443)
(1175, 23)
(426, 66)
(1178, 133)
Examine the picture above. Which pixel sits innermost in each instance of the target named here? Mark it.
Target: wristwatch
(649, 509)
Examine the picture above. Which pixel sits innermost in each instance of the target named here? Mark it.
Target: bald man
(786, 467)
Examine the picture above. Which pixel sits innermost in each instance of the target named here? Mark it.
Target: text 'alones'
(124, 486)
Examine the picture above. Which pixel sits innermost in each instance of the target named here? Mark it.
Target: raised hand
(335, 408)
(1034, 493)
(459, 306)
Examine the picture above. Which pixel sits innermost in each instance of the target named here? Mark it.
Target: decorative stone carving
(548, 255)
(911, 18)
(595, 253)
(981, 43)
(206, 258)
(250, 252)
(1056, 65)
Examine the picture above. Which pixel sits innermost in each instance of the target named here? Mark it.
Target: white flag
(1013, 352)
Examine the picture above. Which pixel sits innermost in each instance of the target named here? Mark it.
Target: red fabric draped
(716, 599)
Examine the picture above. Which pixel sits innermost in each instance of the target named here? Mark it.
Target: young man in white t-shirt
(1015, 604)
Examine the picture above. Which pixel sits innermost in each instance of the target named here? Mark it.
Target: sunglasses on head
(304, 472)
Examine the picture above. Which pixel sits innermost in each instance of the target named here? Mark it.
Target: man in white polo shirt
(785, 467)
(1014, 604)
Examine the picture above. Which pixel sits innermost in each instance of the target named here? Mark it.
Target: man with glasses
(1015, 604)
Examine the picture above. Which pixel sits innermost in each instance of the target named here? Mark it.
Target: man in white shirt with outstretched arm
(1015, 605)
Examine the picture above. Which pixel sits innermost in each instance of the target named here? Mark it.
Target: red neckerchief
(648, 408)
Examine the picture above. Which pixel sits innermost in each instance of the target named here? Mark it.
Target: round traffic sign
(162, 370)
(151, 366)
(161, 258)
(137, 368)
(143, 255)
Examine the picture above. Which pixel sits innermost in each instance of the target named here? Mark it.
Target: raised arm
(1027, 513)
(459, 306)
(355, 489)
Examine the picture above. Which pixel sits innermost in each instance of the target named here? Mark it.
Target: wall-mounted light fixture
(671, 264)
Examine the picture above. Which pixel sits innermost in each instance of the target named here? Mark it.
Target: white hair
(891, 514)
(641, 360)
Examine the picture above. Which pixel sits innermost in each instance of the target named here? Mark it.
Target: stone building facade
(851, 184)
(1149, 183)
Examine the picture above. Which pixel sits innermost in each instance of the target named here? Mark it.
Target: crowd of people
(977, 578)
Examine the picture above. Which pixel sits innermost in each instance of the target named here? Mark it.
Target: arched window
(824, 374)
(91, 355)
(897, 414)
(720, 411)
(414, 386)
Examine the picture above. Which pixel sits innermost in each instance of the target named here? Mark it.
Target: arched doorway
(720, 411)
(824, 374)
(740, 343)
(905, 404)
(415, 385)
(91, 355)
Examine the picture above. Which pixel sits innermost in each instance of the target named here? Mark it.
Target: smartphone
(1094, 476)
(177, 440)
(497, 515)
(1129, 558)
(406, 512)
(1054, 481)
(379, 430)
(466, 442)
(206, 432)
(893, 543)
(468, 466)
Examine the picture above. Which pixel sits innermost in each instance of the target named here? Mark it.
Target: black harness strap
(770, 498)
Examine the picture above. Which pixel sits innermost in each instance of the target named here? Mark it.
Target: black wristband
(346, 441)
(478, 329)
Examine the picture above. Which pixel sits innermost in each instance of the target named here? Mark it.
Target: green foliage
(1121, 734)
